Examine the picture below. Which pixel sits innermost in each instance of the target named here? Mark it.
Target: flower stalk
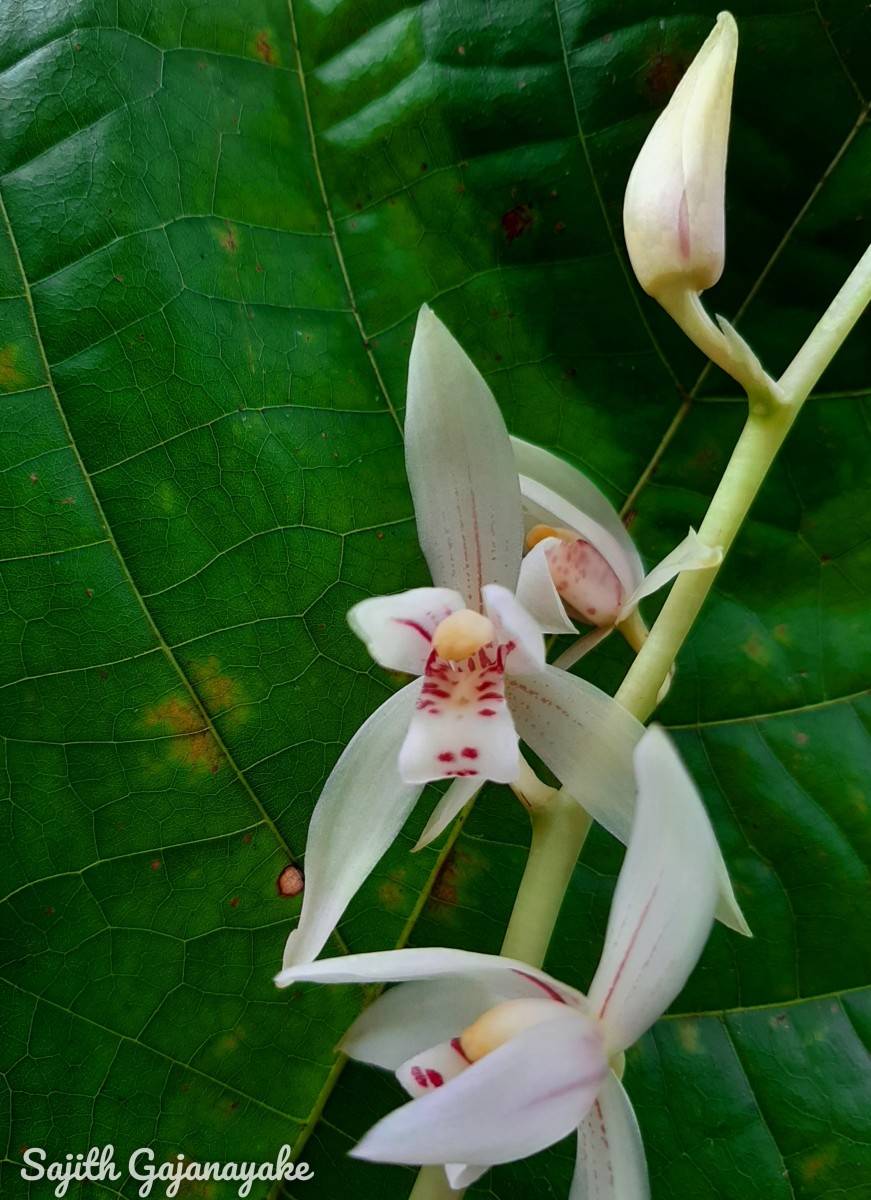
(755, 451)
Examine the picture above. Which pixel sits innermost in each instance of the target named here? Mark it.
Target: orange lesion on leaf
(11, 378)
(192, 744)
(228, 240)
(264, 49)
(390, 891)
(220, 694)
(820, 1161)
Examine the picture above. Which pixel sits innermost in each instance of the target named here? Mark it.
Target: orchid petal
(526, 1094)
(418, 1014)
(432, 1068)
(541, 506)
(460, 467)
(665, 898)
(455, 798)
(610, 1163)
(515, 627)
(585, 737)
(537, 593)
(690, 555)
(507, 976)
(398, 629)
(567, 492)
(586, 582)
(362, 808)
(461, 727)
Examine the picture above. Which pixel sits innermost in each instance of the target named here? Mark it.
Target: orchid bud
(674, 210)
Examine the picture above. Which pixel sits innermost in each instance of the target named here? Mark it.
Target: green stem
(432, 1184)
(754, 453)
(559, 829)
(559, 824)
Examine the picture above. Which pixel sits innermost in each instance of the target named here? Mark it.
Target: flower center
(498, 1025)
(462, 634)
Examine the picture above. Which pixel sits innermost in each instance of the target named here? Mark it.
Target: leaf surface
(218, 222)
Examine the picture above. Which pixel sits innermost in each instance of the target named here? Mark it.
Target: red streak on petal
(545, 987)
(624, 960)
(419, 1078)
(417, 628)
(486, 712)
(457, 1045)
(491, 696)
(468, 752)
(446, 756)
(433, 1076)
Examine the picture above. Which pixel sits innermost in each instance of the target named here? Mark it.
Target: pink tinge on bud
(586, 583)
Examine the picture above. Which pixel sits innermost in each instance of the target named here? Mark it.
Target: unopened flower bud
(674, 210)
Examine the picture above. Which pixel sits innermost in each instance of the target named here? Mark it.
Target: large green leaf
(218, 223)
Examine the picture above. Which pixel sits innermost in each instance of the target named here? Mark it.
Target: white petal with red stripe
(460, 467)
(432, 1068)
(398, 629)
(508, 977)
(423, 1013)
(526, 1094)
(610, 1161)
(518, 634)
(665, 899)
(461, 727)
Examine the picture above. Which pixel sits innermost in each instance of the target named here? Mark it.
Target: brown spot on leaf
(264, 49)
(234, 903)
(290, 882)
(559, 227)
(156, 864)
(517, 220)
(228, 240)
(192, 744)
(10, 377)
(34, 479)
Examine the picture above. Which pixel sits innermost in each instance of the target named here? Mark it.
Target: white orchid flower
(501, 1059)
(479, 657)
(581, 552)
(483, 682)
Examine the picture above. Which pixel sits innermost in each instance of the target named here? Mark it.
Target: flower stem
(754, 453)
(432, 1184)
(559, 829)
